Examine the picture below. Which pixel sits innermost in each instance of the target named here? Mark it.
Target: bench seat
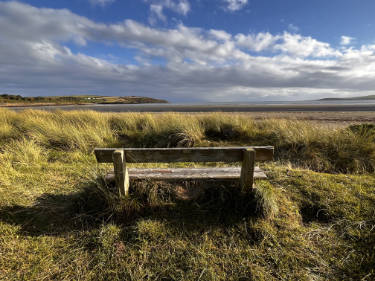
(227, 173)
(247, 155)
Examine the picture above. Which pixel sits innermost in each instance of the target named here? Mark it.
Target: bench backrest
(194, 154)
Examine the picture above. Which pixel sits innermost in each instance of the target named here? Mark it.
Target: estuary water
(269, 106)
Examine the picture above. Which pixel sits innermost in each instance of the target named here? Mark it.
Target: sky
(189, 50)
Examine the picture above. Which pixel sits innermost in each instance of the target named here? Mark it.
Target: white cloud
(235, 5)
(198, 64)
(157, 8)
(220, 34)
(346, 40)
(256, 42)
(101, 2)
(293, 28)
(292, 44)
(300, 46)
(156, 13)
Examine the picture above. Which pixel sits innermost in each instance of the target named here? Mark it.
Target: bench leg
(121, 172)
(247, 169)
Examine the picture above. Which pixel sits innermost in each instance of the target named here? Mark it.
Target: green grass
(313, 219)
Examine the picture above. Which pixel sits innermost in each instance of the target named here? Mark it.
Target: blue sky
(321, 19)
(189, 50)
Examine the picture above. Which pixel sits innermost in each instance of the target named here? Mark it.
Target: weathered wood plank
(227, 173)
(121, 172)
(247, 169)
(195, 154)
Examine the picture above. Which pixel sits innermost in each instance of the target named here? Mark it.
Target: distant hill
(371, 97)
(18, 100)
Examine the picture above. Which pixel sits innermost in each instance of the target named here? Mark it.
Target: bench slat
(226, 173)
(195, 154)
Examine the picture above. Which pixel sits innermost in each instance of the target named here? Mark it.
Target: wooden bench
(247, 155)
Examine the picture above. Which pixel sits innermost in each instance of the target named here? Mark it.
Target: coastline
(157, 107)
(40, 104)
(15, 105)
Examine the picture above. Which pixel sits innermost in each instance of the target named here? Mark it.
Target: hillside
(370, 97)
(18, 100)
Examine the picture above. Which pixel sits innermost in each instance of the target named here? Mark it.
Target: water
(264, 106)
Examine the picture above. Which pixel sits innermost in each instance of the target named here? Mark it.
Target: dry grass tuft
(302, 143)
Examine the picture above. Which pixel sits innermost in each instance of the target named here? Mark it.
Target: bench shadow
(54, 214)
(194, 206)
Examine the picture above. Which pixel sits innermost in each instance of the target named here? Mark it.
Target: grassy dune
(313, 219)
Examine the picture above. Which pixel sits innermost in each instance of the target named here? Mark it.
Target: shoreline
(157, 107)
